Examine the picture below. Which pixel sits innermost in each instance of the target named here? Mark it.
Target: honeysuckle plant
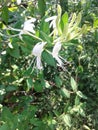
(37, 83)
(63, 30)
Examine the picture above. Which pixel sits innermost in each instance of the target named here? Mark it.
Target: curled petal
(38, 48)
(56, 49)
(29, 28)
(37, 51)
(55, 53)
(29, 25)
(53, 21)
(50, 19)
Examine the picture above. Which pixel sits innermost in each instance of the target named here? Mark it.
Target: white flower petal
(38, 48)
(18, 2)
(55, 53)
(29, 25)
(29, 28)
(32, 20)
(56, 49)
(37, 51)
(53, 21)
(39, 63)
(50, 18)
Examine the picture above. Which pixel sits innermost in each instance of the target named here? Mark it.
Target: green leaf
(79, 69)
(5, 14)
(73, 84)
(27, 46)
(77, 100)
(28, 71)
(65, 18)
(25, 50)
(45, 37)
(38, 86)
(80, 94)
(65, 92)
(67, 120)
(63, 23)
(6, 115)
(15, 52)
(78, 20)
(95, 24)
(47, 85)
(9, 118)
(44, 27)
(96, 35)
(29, 84)
(42, 7)
(11, 88)
(48, 59)
(58, 81)
(4, 127)
(28, 40)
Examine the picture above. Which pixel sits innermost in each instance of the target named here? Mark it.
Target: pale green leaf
(95, 24)
(73, 84)
(80, 94)
(65, 92)
(65, 18)
(67, 120)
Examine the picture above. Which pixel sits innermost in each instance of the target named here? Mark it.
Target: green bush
(48, 65)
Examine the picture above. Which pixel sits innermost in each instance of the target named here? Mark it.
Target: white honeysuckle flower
(18, 2)
(55, 53)
(37, 51)
(29, 26)
(53, 21)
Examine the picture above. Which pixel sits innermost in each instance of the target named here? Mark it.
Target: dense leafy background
(55, 98)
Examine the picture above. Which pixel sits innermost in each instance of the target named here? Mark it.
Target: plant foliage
(48, 65)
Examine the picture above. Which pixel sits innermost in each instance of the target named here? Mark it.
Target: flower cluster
(38, 49)
(71, 30)
(29, 26)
